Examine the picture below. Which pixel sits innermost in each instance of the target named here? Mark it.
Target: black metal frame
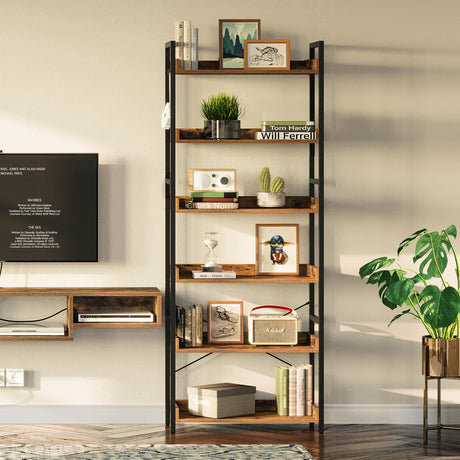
(316, 188)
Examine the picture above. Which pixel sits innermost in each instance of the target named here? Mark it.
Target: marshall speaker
(273, 329)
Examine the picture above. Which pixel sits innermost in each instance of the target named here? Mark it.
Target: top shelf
(307, 67)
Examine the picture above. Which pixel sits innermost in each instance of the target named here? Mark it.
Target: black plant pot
(221, 129)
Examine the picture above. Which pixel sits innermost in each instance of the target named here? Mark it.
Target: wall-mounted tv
(49, 207)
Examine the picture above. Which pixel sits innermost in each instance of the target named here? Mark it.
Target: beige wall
(88, 76)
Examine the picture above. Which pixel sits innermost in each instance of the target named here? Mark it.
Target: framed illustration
(266, 54)
(277, 249)
(225, 322)
(232, 34)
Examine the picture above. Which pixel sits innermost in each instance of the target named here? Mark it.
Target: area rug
(154, 451)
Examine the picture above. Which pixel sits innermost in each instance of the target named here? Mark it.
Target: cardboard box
(221, 400)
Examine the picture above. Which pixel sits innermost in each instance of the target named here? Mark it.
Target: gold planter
(441, 357)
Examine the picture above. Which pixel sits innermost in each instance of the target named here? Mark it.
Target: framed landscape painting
(232, 34)
(277, 249)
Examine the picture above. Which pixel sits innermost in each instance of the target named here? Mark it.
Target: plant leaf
(398, 316)
(439, 308)
(403, 245)
(399, 291)
(374, 265)
(452, 231)
(432, 248)
(386, 281)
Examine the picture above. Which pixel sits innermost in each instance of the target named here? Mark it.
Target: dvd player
(32, 329)
(117, 317)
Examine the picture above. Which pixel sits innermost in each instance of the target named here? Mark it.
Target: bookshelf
(311, 275)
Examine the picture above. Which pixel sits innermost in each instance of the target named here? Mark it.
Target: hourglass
(211, 241)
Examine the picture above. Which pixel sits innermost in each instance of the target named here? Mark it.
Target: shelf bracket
(279, 359)
(193, 362)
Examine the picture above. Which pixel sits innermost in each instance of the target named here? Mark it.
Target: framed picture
(232, 34)
(225, 322)
(277, 249)
(266, 54)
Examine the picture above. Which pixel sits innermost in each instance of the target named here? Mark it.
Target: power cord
(33, 320)
(1, 268)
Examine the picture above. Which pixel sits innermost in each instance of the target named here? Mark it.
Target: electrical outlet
(14, 377)
(2, 377)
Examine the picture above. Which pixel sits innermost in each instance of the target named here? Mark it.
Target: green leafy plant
(276, 185)
(437, 305)
(221, 107)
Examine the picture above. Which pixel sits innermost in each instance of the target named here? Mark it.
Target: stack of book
(287, 130)
(294, 390)
(213, 200)
(189, 326)
(186, 45)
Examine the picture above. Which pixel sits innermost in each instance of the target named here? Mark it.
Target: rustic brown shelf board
(77, 291)
(245, 273)
(307, 343)
(265, 413)
(40, 338)
(117, 325)
(195, 135)
(248, 204)
(306, 67)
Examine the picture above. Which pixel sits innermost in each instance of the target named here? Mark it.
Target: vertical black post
(317, 94)
(170, 236)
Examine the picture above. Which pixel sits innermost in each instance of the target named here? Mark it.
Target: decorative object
(211, 241)
(273, 329)
(155, 451)
(277, 249)
(225, 322)
(211, 180)
(266, 54)
(220, 400)
(232, 34)
(271, 193)
(221, 113)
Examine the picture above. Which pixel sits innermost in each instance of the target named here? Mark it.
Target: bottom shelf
(265, 413)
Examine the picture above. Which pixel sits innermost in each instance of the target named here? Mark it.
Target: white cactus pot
(271, 200)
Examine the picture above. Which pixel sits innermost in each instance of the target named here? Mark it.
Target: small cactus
(277, 185)
(264, 180)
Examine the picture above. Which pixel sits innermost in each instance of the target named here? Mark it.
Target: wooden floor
(357, 442)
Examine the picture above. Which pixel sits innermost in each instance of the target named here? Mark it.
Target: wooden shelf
(306, 67)
(307, 343)
(248, 204)
(245, 273)
(196, 136)
(95, 300)
(265, 413)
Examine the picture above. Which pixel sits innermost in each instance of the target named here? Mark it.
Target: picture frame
(267, 54)
(225, 322)
(234, 32)
(277, 249)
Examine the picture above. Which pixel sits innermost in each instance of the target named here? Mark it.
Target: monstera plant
(423, 292)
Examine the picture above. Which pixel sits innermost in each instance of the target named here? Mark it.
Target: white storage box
(221, 400)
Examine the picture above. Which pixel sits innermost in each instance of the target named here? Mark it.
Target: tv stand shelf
(97, 300)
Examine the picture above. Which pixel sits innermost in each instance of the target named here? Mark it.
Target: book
(309, 389)
(198, 274)
(213, 194)
(214, 200)
(292, 385)
(285, 136)
(301, 401)
(291, 128)
(193, 309)
(194, 49)
(285, 122)
(188, 328)
(187, 45)
(282, 395)
(179, 39)
(199, 325)
(180, 324)
(216, 205)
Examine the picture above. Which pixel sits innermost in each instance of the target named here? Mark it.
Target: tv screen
(49, 207)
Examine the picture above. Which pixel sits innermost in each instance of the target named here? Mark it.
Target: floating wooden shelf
(245, 273)
(265, 413)
(306, 67)
(195, 135)
(93, 299)
(248, 204)
(307, 343)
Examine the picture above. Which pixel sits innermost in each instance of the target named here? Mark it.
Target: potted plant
(271, 193)
(412, 292)
(221, 113)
